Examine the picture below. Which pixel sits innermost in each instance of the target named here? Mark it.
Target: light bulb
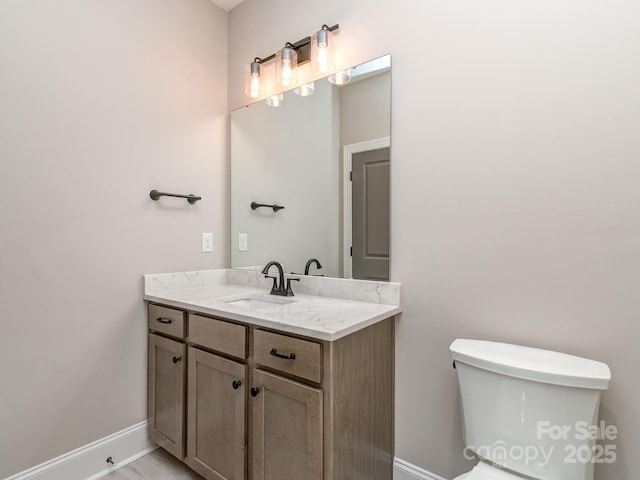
(322, 60)
(254, 87)
(286, 75)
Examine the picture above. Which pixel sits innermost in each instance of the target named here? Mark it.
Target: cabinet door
(166, 394)
(216, 442)
(286, 433)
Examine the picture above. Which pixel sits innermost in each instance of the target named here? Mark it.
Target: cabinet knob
(166, 321)
(176, 359)
(236, 384)
(255, 391)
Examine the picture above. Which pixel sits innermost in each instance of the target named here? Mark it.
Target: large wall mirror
(325, 159)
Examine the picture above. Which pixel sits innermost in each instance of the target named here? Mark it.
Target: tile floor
(157, 465)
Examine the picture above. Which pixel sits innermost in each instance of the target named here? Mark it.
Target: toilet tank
(529, 410)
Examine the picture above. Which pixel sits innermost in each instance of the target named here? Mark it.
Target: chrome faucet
(309, 263)
(279, 287)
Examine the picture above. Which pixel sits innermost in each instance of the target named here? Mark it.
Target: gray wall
(365, 109)
(100, 102)
(515, 201)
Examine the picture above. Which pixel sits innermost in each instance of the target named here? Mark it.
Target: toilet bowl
(513, 396)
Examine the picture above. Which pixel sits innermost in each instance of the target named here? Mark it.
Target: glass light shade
(276, 100)
(305, 90)
(254, 87)
(286, 67)
(322, 58)
(340, 78)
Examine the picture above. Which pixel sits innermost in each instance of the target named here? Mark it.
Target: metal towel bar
(255, 205)
(191, 198)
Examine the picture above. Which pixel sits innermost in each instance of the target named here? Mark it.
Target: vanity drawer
(224, 337)
(270, 348)
(166, 320)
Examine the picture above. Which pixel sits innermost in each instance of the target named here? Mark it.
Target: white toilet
(528, 413)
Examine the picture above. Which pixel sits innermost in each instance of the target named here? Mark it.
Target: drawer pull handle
(291, 356)
(166, 321)
(255, 391)
(236, 384)
(176, 359)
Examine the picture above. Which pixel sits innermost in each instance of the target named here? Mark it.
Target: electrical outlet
(243, 242)
(207, 242)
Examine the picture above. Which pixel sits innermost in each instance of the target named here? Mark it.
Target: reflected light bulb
(340, 78)
(276, 100)
(305, 90)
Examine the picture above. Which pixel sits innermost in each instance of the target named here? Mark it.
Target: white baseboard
(90, 461)
(405, 471)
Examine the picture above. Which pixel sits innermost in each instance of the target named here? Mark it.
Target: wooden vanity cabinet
(286, 433)
(166, 386)
(337, 428)
(216, 398)
(216, 416)
(265, 405)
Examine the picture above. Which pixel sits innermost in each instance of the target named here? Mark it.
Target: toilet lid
(484, 471)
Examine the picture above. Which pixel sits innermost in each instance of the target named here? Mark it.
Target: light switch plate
(207, 242)
(243, 242)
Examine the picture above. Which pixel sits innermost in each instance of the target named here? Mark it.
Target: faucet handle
(274, 288)
(289, 291)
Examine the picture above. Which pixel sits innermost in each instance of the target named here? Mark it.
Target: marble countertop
(313, 313)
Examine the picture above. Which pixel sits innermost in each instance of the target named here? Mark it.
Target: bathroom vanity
(243, 384)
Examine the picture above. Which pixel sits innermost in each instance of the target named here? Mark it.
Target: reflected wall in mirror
(325, 159)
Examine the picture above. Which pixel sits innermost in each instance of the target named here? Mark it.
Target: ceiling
(227, 4)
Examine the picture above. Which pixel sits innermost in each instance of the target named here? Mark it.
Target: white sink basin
(258, 302)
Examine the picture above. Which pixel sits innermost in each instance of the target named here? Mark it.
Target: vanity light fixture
(322, 50)
(254, 87)
(286, 66)
(305, 90)
(317, 49)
